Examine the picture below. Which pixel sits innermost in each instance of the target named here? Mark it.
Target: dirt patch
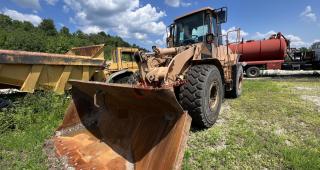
(313, 99)
(279, 131)
(53, 162)
(224, 113)
(304, 88)
(220, 144)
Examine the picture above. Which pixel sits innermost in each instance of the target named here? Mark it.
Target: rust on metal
(144, 129)
(24, 57)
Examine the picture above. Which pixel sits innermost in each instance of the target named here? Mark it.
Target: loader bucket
(110, 126)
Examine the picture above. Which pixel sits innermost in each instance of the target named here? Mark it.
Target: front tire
(202, 94)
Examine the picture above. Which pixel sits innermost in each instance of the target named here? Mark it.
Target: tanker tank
(274, 48)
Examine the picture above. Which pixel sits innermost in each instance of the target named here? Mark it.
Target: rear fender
(115, 75)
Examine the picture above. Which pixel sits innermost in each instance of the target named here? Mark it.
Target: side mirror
(209, 38)
(222, 15)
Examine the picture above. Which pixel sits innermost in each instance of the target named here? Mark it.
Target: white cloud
(140, 36)
(52, 2)
(173, 3)
(91, 29)
(308, 14)
(186, 4)
(65, 9)
(128, 19)
(316, 40)
(232, 37)
(34, 4)
(295, 41)
(34, 19)
(259, 35)
(161, 42)
(177, 3)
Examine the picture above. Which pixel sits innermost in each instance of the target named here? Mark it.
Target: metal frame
(33, 70)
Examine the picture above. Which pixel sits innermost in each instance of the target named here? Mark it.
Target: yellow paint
(85, 73)
(117, 63)
(29, 77)
(63, 80)
(32, 79)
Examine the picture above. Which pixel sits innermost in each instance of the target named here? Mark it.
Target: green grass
(25, 126)
(269, 126)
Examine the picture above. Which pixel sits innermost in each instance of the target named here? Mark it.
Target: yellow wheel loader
(145, 124)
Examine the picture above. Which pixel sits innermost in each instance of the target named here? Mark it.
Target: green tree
(65, 31)
(303, 49)
(27, 26)
(47, 25)
(5, 21)
(17, 35)
(102, 33)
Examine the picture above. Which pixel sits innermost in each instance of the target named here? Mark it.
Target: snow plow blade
(111, 126)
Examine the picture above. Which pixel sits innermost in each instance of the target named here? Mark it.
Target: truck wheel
(253, 72)
(125, 77)
(202, 94)
(237, 77)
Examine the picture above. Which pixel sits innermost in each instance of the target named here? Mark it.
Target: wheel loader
(145, 124)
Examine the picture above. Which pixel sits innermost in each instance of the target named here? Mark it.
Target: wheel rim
(253, 72)
(213, 98)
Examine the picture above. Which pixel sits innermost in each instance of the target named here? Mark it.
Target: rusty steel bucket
(110, 126)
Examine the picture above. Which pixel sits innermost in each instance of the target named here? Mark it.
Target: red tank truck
(273, 53)
(262, 54)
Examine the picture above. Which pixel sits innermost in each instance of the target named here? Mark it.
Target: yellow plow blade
(122, 127)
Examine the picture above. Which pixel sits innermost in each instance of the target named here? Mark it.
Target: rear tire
(125, 78)
(253, 72)
(202, 94)
(237, 77)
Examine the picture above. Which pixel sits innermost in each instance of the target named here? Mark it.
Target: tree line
(23, 35)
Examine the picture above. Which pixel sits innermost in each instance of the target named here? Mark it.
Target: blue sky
(143, 22)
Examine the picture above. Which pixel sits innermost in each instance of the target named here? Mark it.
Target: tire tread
(190, 93)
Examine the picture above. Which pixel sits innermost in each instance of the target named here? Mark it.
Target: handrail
(238, 31)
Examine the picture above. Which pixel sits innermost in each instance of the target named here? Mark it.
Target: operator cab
(199, 26)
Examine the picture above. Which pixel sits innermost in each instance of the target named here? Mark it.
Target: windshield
(191, 29)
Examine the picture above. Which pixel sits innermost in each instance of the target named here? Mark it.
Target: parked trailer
(273, 53)
(28, 71)
(316, 48)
